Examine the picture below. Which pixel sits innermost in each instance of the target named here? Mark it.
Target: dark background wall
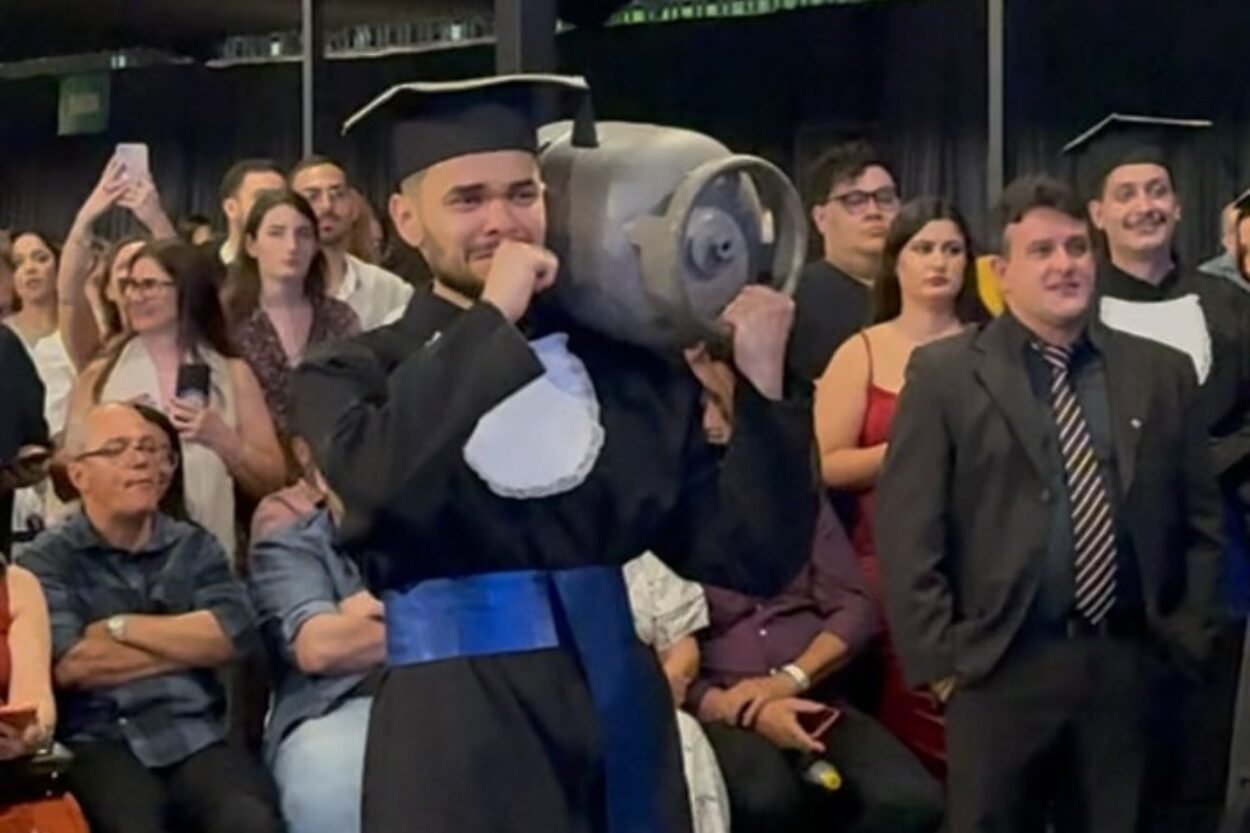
(910, 74)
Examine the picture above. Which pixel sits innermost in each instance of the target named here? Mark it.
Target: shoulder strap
(868, 348)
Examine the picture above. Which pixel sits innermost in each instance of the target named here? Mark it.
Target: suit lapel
(1128, 400)
(1000, 368)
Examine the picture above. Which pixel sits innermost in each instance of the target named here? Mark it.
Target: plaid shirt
(166, 718)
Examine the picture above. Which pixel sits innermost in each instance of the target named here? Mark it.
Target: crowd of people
(294, 543)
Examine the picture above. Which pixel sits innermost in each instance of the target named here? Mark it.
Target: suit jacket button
(1045, 495)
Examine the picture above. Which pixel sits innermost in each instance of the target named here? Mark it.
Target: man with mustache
(1125, 167)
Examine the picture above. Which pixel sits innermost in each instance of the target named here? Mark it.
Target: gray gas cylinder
(658, 228)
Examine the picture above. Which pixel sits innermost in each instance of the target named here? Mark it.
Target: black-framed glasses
(115, 450)
(145, 287)
(856, 202)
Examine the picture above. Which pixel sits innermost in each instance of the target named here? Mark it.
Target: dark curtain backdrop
(909, 74)
(1072, 61)
(779, 86)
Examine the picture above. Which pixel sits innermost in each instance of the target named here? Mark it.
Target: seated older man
(144, 611)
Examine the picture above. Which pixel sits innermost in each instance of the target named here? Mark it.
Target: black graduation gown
(1225, 396)
(509, 743)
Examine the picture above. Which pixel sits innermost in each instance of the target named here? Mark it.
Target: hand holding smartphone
(192, 384)
(817, 723)
(134, 157)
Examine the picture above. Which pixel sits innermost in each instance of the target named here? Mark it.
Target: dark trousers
(220, 789)
(885, 789)
(1062, 731)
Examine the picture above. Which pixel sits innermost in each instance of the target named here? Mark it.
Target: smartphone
(817, 723)
(135, 157)
(20, 718)
(193, 382)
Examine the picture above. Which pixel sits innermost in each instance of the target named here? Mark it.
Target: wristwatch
(117, 628)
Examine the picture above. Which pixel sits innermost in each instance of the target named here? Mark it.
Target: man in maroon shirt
(768, 676)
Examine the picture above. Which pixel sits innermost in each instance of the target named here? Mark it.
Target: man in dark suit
(1051, 544)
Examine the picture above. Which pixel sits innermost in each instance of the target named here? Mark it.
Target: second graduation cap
(1126, 140)
(428, 123)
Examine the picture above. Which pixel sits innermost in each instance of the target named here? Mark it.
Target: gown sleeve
(355, 415)
(745, 521)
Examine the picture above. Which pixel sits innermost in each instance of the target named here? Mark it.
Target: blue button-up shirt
(297, 574)
(166, 718)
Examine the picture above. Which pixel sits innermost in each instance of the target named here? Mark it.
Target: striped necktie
(1093, 528)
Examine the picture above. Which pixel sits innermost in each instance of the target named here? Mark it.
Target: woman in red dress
(926, 291)
(26, 686)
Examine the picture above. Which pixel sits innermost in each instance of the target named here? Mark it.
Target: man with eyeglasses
(378, 296)
(144, 612)
(853, 199)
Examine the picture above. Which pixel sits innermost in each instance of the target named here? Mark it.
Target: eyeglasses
(856, 202)
(115, 450)
(145, 287)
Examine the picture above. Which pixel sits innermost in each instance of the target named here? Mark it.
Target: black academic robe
(509, 743)
(1225, 395)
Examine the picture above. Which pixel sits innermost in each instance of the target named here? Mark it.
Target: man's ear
(407, 219)
(1094, 207)
(818, 216)
(77, 474)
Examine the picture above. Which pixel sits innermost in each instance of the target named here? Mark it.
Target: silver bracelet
(798, 675)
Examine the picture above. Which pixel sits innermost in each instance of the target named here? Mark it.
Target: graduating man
(493, 486)
(1126, 167)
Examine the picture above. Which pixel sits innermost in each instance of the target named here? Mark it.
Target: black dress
(511, 743)
(21, 416)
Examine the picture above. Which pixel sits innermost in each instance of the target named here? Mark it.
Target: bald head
(117, 462)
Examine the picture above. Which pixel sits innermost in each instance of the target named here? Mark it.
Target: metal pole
(525, 36)
(312, 69)
(995, 158)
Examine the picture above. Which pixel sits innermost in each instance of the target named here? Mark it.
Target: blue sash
(514, 612)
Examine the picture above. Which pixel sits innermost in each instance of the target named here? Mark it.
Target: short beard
(462, 282)
(469, 287)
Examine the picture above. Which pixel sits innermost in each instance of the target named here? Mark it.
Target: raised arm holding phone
(126, 183)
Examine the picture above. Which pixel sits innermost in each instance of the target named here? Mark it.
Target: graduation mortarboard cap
(432, 122)
(1242, 201)
(1127, 140)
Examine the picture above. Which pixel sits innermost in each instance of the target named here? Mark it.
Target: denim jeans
(319, 768)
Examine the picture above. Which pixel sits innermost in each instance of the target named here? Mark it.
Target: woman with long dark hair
(926, 291)
(34, 258)
(275, 295)
(177, 358)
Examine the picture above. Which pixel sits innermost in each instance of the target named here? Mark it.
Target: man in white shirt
(378, 296)
(245, 180)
